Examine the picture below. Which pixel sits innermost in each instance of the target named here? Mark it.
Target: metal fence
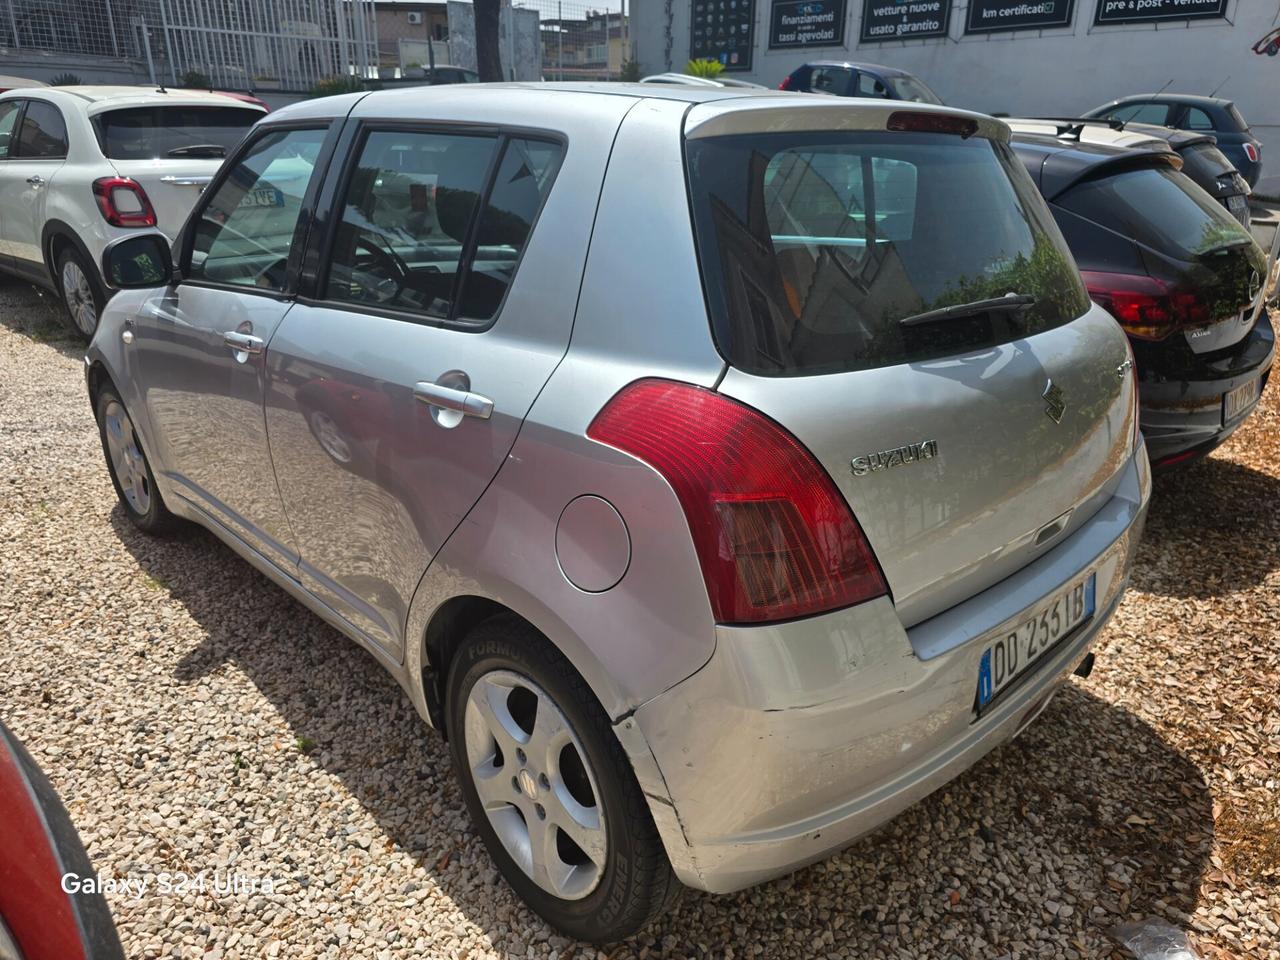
(236, 44)
(580, 41)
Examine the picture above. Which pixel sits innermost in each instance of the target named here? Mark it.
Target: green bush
(704, 68)
(195, 80)
(65, 80)
(331, 86)
(630, 72)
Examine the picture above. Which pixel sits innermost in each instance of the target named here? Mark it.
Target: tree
(488, 51)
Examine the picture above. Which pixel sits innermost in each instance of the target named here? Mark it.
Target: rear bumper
(1184, 416)
(797, 738)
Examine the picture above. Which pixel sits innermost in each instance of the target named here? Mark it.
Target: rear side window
(1159, 208)
(150, 133)
(9, 110)
(815, 246)
(415, 235)
(44, 132)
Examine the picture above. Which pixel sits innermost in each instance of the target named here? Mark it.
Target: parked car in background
(1213, 115)
(688, 80)
(1202, 161)
(621, 539)
(82, 166)
(1182, 277)
(842, 78)
(246, 98)
(18, 83)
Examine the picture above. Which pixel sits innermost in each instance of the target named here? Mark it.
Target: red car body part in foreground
(40, 847)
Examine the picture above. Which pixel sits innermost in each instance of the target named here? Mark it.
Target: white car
(82, 166)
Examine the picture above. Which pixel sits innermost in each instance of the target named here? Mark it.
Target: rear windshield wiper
(1010, 301)
(199, 150)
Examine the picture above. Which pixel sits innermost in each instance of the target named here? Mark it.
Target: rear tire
(130, 472)
(82, 295)
(533, 749)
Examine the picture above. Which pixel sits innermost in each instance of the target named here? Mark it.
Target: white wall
(1045, 73)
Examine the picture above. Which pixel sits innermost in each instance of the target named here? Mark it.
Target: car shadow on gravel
(36, 314)
(1088, 818)
(1213, 528)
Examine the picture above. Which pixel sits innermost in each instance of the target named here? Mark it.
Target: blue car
(842, 78)
(1213, 115)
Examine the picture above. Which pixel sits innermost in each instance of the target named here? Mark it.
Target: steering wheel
(387, 265)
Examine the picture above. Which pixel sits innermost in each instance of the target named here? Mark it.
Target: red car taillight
(1147, 308)
(774, 537)
(123, 202)
(786, 83)
(1251, 152)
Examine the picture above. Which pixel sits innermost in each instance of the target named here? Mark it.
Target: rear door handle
(447, 398)
(243, 342)
(35, 179)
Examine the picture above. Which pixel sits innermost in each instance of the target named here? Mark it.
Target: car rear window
(147, 133)
(815, 245)
(1158, 207)
(1238, 117)
(1205, 162)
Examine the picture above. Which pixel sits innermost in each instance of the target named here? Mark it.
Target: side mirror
(133, 263)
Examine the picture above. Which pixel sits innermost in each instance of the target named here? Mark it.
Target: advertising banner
(1143, 11)
(723, 30)
(806, 23)
(998, 16)
(904, 19)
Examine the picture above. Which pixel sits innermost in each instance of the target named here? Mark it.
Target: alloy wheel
(535, 784)
(79, 297)
(127, 461)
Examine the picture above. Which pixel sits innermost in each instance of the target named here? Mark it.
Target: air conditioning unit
(415, 17)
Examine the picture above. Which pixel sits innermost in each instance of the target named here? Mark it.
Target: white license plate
(1240, 399)
(1016, 652)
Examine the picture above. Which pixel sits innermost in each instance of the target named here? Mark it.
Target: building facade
(1047, 58)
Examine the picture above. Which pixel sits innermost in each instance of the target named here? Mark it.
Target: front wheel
(130, 472)
(82, 296)
(549, 788)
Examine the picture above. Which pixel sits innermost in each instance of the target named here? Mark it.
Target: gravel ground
(195, 719)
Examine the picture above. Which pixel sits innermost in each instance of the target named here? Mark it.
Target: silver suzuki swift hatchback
(720, 471)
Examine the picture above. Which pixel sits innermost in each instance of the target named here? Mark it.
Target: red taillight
(1147, 308)
(1251, 152)
(786, 83)
(921, 122)
(123, 202)
(774, 536)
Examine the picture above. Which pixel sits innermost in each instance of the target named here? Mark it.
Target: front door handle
(447, 398)
(35, 179)
(243, 342)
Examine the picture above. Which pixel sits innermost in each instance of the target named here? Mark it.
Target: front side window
(246, 231)
(413, 221)
(1157, 113)
(816, 246)
(44, 133)
(914, 89)
(836, 81)
(870, 86)
(9, 110)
